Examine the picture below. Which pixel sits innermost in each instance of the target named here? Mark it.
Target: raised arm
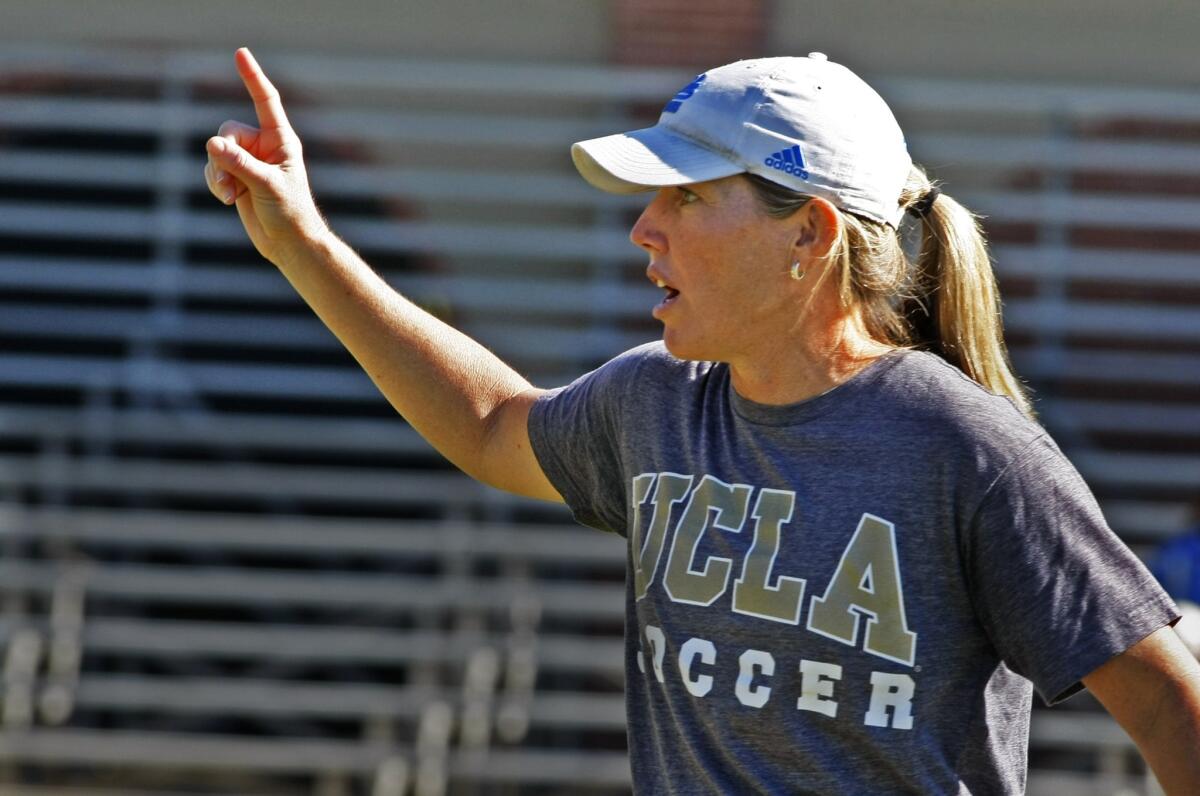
(458, 395)
(1153, 691)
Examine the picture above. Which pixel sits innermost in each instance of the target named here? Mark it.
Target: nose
(647, 231)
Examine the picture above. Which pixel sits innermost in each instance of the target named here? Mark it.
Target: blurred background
(229, 567)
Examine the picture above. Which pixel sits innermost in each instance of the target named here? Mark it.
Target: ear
(819, 224)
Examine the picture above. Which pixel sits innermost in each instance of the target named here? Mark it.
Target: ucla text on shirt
(864, 588)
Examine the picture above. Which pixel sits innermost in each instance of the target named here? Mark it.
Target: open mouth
(672, 293)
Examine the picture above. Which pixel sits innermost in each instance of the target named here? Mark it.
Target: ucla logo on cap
(684, 93)
(789, 161)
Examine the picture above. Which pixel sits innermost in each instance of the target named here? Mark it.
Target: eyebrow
(700, 188)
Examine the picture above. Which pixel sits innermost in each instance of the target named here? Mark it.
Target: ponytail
(947, 302)
(954, 307)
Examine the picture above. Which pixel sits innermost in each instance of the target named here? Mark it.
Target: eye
(686, 197)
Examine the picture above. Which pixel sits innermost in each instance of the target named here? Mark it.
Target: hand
(261, 170)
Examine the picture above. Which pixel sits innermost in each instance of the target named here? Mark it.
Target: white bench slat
(275, 432)
(202, 378)
(220, 752)
(317, 536)
(260, 697)
(530, 298)
(379, 181)
(24, 789)
(1131, 321)
(380, 126)
(1078, 731)
(174, 172)
(1040, 100)
(1146, 367)
(486, 295)
(252, 697)
(536, 297)
(1043, 782)
(1057, 154)
(1128, 417)
(126, 277)
(220, 226)
(189, 378)
(320, 72)
(1171, 470)
(222, 586)
(159, 750)
(1157, 521)
(1125, 211)
(320, 644)
(511, 340)
(336, 74)
(1134, 267)
(552, 242)
(245, 479)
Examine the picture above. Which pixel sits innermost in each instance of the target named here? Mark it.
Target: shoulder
(650, 365)
(654, 355)
(647, 355)
(930, 397)
(647, 372)
(931, 389)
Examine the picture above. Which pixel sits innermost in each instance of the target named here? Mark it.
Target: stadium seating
(228, 567)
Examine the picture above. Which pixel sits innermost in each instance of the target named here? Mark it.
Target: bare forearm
(465, 401)
(1171, 743)
(444, 383)
(1153, 691)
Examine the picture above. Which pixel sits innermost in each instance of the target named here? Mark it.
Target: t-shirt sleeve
(1057, 591)
(575, 432)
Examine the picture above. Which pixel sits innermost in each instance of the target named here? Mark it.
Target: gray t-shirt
(851, 594)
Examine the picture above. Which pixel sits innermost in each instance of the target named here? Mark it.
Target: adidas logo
(684, 93)
(789, 161)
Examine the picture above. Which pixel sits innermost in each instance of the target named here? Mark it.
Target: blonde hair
(946, 301)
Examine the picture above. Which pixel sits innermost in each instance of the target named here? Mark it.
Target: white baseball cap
(806, 123)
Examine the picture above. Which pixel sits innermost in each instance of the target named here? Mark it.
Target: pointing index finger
(266, 99)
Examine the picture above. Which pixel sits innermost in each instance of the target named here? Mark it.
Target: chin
(682, 348)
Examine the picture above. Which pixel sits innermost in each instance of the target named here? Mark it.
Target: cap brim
(645, 159)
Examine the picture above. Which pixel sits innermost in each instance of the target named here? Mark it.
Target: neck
(800, 366)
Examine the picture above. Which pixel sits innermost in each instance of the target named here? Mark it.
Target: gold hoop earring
(797, 274)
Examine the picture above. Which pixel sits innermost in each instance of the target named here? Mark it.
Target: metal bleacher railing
(228, 566)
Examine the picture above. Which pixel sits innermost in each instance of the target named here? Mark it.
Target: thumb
(229, 156)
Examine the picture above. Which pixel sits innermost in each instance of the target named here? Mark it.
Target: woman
(851, 560)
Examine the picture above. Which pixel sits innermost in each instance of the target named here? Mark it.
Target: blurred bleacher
(230, 568)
